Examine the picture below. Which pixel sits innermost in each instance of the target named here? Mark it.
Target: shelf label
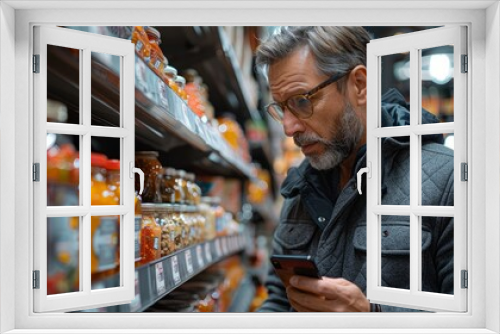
(208, 253)
(218, 250)
(224, 246)
(189, 262)
(160, 279)
(199, 256)
(233, 244)
(176, 275)
(162, 93)
(136, 302)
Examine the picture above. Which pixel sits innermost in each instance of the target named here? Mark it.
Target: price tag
(160, 279)
(233, 244)
(189, 262)
(208, 253)
(199, 256)
(224, 246)
(176, 275)
(136, 302)
(218, 250)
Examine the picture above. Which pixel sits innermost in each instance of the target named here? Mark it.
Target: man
(318, 81)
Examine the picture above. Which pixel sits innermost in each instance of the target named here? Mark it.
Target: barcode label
(189, 262)
(160, 279)
(176, 275)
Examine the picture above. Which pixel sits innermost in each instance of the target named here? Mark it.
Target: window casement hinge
(465, 64)
(36, 172)
(465, 279)
(464, 172)
(36, 63)
(36, 279)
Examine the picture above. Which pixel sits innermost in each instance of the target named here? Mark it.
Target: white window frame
(85, 43)
(414, 43)
(483, 20)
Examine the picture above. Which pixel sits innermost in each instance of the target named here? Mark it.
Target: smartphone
(286, 266)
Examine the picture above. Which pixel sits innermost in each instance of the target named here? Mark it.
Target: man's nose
(291, 123)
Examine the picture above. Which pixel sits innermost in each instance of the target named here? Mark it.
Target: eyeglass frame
(307, 95)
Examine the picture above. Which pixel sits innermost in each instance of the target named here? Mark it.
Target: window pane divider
(108, 210)
(67, 129)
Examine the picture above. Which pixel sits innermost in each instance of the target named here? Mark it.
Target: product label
(137, 237)
(140, 76)
(105, 242)
(136, 302)
(157, 64)
(189, 262)
(199, 256)
(156, 243)
(176, 275)
(160, 279)
(208, 253)
(138, 46)
(162, 92)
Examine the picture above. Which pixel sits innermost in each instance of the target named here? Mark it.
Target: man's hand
(326, 295)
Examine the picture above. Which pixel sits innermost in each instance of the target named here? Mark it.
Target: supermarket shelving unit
(164, 123)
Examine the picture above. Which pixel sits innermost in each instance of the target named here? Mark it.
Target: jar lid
(181, 80)
(190, 176)
(181, 173)
(148, 207)
(169, 171)
(98, 160)
(113, 164)
(153, 33)
(151, 153)
(170, 71)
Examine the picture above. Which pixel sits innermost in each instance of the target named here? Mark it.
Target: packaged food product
(137, 228)
(157, 59)
(208, 213)
(193, 82)
(168, 228)
(180, 228)
(151, 234)
(180, 81)
(170, 73)
(148, 162)
(194, 191)
(183, 184)
(171, 188)
(104, 229)
(141, 41)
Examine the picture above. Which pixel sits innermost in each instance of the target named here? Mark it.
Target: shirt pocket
(295, 236)
(395, 251)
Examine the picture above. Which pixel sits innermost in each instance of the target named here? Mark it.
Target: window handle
(362, 171)
(141, 176)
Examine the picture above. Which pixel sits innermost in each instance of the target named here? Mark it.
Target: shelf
(157, 279)
(163, 120)
(209, 51)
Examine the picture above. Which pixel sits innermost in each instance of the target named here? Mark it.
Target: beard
(345, 139)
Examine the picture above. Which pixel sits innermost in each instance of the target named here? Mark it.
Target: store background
(240, 173)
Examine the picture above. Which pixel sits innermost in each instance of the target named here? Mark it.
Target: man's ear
(357, 83)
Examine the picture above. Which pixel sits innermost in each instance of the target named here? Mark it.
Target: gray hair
(335, 49)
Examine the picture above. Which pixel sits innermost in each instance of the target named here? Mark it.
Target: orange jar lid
(113, 164)
(98, 160)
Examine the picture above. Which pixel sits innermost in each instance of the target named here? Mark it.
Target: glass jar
(171, 73)
(194, 189)
(182, 183)
(180, 228)
(141, 41)
(180, 81)
(148, 162)
(171, 188)
(151, 234)
(208, 212)
(157, 58)
(168, 228)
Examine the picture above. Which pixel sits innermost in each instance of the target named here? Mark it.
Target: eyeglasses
(300, 105)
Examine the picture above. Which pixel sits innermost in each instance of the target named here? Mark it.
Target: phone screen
(287, 266)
